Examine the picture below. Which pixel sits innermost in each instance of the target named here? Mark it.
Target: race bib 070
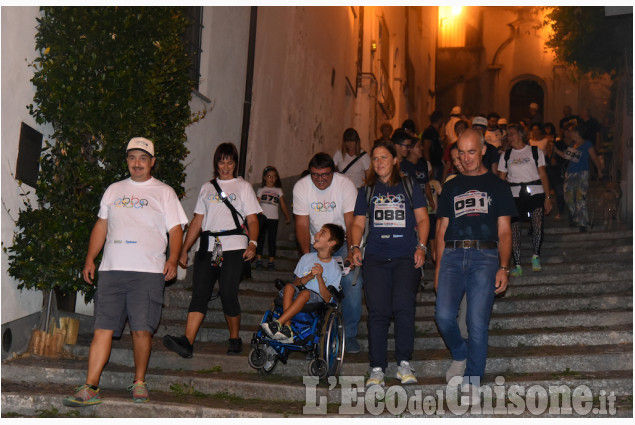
(471, 202)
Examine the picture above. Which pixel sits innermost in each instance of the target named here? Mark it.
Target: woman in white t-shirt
(224, 247)
(351, 151)
(523, 166)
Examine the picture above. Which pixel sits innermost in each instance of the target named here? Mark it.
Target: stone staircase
(571, 325)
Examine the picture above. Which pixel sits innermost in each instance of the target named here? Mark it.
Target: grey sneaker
(457, 368)
(271, 328)
(405, 372)
(376, 377)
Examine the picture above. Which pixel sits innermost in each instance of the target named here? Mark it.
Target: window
(192, 41)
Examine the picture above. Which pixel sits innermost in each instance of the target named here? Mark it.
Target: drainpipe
(251, 52)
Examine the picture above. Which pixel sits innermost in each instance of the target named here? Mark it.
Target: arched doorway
(521, 95)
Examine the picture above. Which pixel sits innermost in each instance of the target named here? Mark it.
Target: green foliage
(584, 37)
(103, 76)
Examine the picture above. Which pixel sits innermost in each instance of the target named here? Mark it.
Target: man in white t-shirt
(327, 197)
(138, 217)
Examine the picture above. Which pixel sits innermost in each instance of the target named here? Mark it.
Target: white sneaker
(376, 377)
(470, 395)
(457, 368)
(405, 372)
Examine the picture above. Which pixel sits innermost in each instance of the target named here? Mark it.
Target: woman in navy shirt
(395, 250)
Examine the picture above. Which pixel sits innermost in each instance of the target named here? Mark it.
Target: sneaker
(405, 372)
(582, 229)
(352, 346)
(470, 395)
(284, 335)
(271, 327)
(516, 272)
(235, 346)
(271, 266)
(258, 264)
(139, 390)
(376, 377)
(457, 368)
(180, 345)
(535, 264)
(84, 396)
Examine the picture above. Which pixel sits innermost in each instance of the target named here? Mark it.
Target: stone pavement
(570, 325)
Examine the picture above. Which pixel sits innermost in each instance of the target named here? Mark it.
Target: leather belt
(471, 244)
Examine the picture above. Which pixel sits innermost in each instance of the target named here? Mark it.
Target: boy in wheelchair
(313, 274)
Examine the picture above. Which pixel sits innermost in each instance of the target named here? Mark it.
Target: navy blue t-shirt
(473, 205)
(418, 171)
(392, 221)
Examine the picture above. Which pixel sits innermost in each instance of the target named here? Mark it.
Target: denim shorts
(314, 297)
(136, 296)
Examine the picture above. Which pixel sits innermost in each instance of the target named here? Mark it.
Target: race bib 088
(471, 202)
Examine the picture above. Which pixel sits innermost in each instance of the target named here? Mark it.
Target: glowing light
(456, 10)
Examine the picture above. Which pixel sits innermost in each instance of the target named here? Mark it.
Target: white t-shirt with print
(521, 168)
(217, 217)
(139, 215)
(357, 172)
(324, 206)
(269, 201)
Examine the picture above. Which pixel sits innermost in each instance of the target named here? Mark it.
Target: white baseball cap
(502, 121)
(479, 121)
(533, 105)
(142, 144)
(456, 110)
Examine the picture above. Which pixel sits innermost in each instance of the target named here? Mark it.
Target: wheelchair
(318, 332)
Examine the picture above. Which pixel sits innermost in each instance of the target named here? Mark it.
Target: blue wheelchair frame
(318, 330)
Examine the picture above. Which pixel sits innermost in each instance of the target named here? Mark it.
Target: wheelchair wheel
(257, 357)
(271, 361)
(317, 368)
(332, 342)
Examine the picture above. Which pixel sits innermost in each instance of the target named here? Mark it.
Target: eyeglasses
(321, 176)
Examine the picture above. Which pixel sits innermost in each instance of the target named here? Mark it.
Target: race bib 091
(471, 202)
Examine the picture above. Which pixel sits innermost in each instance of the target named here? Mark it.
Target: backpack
(534, 153)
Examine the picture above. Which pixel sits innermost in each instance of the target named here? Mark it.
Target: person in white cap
(450, 134)
(491, 157)
(137, 219)
(534, 114)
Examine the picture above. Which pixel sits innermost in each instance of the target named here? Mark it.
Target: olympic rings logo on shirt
(215, 197)
(132, 202)
(388, 199)
(323, 206)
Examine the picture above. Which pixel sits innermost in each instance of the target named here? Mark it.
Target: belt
(471, 244)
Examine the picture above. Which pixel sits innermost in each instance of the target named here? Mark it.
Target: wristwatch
(352, 247)
(504, 268)
(255, 243)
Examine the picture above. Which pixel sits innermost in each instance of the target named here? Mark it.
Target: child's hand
(317, 270)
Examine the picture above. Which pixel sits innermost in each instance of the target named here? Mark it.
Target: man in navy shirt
(473, 249)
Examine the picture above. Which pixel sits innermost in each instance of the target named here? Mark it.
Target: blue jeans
(471, 272)
(352, 302)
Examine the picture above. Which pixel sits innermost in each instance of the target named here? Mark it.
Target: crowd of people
(459, 191)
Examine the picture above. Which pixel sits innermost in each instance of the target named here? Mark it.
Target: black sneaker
(271, 327)
(180, 345)
(284, 335)
(235, 346)
(582, 229)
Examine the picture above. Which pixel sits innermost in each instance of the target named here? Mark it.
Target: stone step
(513, 326)
(259, 301)
(43, 400)
(234, 376)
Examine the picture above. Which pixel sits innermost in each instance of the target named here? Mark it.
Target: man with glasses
(323, 197)
(403, 143)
